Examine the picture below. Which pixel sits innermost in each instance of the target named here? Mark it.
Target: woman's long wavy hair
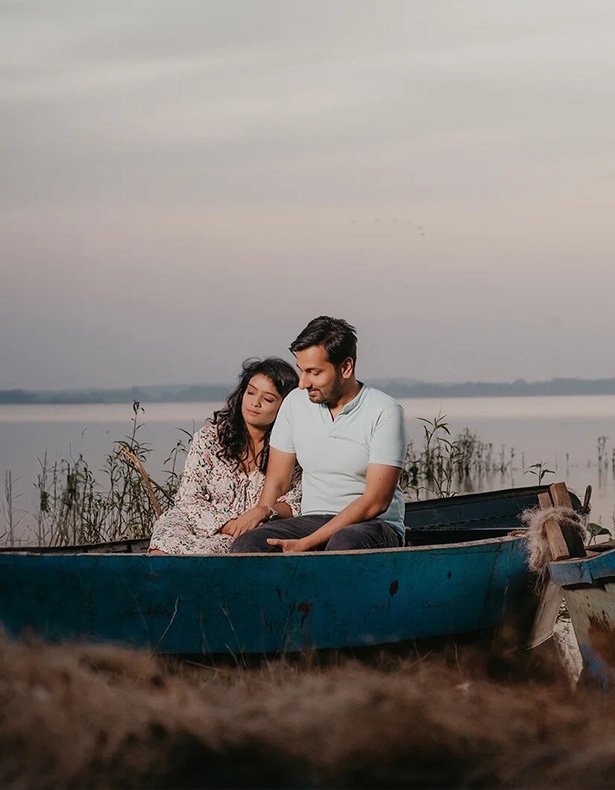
(232, 432)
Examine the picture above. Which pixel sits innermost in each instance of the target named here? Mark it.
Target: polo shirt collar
(356, 401)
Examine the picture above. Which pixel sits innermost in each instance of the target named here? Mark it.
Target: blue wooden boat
(588, 584)
(461, 572)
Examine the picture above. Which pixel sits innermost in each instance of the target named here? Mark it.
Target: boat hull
(246, 604)
(589, 591)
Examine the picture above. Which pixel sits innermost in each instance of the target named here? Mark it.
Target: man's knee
(347, 539)
(364, 535)
(250, 542)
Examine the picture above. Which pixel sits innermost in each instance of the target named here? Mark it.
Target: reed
(443, 465)
(74, 507)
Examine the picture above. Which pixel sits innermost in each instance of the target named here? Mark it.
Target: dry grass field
(89, 716)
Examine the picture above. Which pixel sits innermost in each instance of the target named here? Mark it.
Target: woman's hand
(249, 520)
(288, 546)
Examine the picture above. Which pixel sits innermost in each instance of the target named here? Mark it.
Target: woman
(224, 472)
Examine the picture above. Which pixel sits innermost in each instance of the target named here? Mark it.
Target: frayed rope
(537, 543)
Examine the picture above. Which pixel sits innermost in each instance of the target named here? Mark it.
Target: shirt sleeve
(282, 434)
(293, 497)
(389, 443)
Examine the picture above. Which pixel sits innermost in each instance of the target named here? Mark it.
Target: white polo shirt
(334, 454)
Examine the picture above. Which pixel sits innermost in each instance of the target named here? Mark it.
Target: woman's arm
(195, 498)
(277, 483)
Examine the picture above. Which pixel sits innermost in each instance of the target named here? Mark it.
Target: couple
(348, 438)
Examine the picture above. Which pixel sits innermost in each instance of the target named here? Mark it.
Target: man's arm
(277, 482)
(278, 478)
(380, 484)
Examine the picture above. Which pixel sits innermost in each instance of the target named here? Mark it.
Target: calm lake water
(561, 432)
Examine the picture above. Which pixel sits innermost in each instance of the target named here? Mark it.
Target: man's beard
(331, 396)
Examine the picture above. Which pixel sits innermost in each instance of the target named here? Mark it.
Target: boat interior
(457, 519)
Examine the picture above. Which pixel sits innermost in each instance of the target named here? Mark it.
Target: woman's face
(261, 402)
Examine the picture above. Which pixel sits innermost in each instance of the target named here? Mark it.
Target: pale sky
(185, 184)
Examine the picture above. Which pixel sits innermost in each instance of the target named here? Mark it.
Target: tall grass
(443, 465)
(91, 716)
(74, 507)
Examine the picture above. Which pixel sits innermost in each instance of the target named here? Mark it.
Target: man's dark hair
(337, 336)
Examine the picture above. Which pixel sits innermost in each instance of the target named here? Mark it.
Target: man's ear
(347, 368)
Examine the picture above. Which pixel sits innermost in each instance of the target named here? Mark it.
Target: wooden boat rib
(272, 603)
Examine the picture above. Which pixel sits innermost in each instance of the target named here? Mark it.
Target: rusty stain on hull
(305, 607)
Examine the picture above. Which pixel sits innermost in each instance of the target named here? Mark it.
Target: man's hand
(249, 520)
(288, 546)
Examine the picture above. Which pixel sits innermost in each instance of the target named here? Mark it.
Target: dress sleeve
(194, 500)
(293, 497)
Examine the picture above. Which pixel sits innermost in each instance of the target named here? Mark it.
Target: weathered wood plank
(555, 538)
(560, 495)
(574, 542)
(552, 596)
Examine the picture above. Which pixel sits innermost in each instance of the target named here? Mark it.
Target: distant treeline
(160, 394)
(398, 388)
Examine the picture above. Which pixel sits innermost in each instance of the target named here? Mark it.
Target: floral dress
(212, 491)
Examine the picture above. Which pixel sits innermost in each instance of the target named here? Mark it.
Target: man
(350, 442)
